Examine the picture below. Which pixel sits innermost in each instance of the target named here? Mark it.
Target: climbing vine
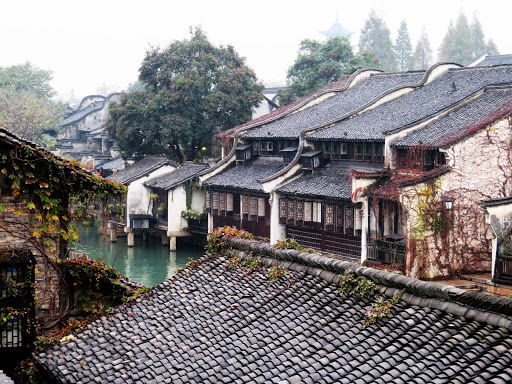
(43, 196)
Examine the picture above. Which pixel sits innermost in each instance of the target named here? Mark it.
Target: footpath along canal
(148, 262)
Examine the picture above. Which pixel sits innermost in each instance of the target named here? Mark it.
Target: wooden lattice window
(208, 200)
(215, 203)
(317, 212)
(349, 219)
(340, 218)
(308, 211)
(329, 217)
(245, 205)
(282, 210)
(222, 203)
(253, 206)
(291, 211)
(261, 206)
(300, 212)
(229, 202)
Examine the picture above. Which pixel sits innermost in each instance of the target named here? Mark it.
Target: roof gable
(179, 175)
(140, 169)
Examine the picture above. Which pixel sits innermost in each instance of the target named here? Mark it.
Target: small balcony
(387, 250)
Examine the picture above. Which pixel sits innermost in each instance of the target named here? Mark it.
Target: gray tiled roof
(214, 324)
(247, 177)
(177, 176)
(117, 163)
(333, 183)
(496, 60)
(80, 114)
(425, 101)
(335, 107)
(139, 169)
(461, 121)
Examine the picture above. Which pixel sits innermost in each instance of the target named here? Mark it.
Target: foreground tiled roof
(333, 183)
(140, 168)
(177, 176)
(462, 121)
(429, 99)
(335, 107)
(4, 379)
(247, 177)
(216, 324)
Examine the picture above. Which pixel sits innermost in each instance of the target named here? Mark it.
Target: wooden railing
(386, 251)
(328, 241)
(198, 225)
(504, 268)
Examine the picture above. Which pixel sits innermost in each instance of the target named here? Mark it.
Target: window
(256, 145)
(261, 207)
(368, 151)
(300, 211)
(282, 210)
(215, 203)
(253, 206)
(340, 216)
(291, 212)
(229, 202)
(208, 200)
(329, 216)
(222, 203)
(316, 162)
(378, 155)
(344, 148)
(245, 205)
(349, 219)
(358, 148)
(317, 212)
(335, 148)
(327, 148)
(308, 211)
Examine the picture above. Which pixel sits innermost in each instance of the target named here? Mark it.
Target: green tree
(192, 89)
(422, 58)
(403, 48)
(463, 43)
(492, 48)
(320, 63)
(25, 105)
(26, 77)
(376, 38)
(29, 116)
(477, 39)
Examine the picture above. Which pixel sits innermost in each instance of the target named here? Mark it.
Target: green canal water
(148, 262)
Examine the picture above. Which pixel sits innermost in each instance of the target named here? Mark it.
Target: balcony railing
(504, 268)
(388, 250)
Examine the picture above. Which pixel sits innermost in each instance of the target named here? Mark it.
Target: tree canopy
(422, 57)
(464, 42)
(376, 38)
(25, 105)
(403, 48)
(192, 89)
(320, 63)
(26, 77)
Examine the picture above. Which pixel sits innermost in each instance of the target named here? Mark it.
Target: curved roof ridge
(475, 306)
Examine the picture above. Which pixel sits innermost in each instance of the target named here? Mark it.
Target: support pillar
(131, 239)
(113, 235)
(172, 243)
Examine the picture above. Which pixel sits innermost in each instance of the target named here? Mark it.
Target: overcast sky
(102, 42)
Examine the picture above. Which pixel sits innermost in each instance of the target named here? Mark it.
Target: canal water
(148, 262)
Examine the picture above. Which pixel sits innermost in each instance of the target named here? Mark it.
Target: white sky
(92, 43)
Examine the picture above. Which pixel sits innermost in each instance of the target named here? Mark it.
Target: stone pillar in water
(172, 243)
(131, 239)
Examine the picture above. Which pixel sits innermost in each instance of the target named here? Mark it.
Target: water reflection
(149, 262)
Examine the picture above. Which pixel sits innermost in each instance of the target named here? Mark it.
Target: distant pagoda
(336, 30)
